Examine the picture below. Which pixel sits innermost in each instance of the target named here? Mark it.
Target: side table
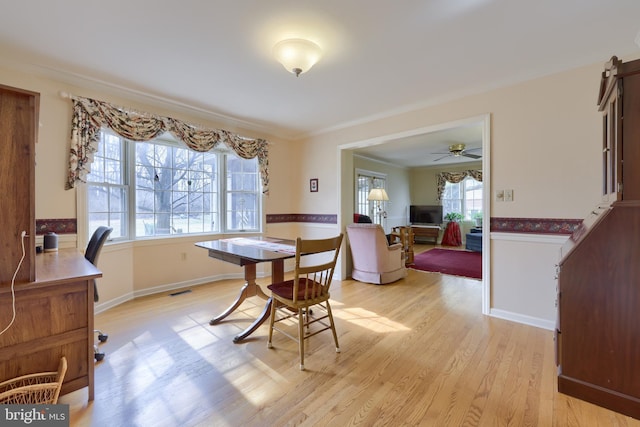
(452, 235)
(404, 235)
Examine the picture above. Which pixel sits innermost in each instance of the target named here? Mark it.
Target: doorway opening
(393, 143)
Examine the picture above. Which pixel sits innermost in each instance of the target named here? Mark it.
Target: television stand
(426, 232)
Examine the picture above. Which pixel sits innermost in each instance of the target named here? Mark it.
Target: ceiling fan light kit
(458, 150)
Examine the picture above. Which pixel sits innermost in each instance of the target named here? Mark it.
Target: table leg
(277, 275)
(266, 312)
(249, 289)
(277, 271)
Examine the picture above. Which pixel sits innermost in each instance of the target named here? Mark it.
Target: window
(365, 181)
(242, 193)
(464, 197)
(107, 191)
(174, 190)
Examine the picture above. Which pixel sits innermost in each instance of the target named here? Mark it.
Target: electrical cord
(13, 281)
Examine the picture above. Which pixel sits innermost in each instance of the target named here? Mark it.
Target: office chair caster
(102, 337)
(98, 355)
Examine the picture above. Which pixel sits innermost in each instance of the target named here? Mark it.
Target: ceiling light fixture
(297, 55)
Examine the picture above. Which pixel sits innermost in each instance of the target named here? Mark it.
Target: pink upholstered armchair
(374, 260)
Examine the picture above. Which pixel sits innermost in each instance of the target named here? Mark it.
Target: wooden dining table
(248, 252)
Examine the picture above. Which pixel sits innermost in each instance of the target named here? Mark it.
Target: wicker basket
(41, 388)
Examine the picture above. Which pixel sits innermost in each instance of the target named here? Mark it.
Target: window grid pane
(176, 186)
(364, 184)
(363, 188)
(107, 193)
(464, 197)
(242, 200)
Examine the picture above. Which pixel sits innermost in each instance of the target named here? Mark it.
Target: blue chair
(474, 240)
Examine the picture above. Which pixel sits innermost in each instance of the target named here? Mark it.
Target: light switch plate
(508, 195)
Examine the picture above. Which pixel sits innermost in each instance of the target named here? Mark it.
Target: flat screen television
(423, 214)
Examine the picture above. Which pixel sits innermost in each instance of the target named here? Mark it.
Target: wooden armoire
(18, 132)
(598, 326)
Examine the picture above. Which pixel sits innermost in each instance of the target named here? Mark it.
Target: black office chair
(94, 247)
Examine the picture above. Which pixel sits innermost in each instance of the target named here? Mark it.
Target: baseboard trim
(104, 306)
(522, 318)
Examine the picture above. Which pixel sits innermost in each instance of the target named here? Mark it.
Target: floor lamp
(379, 195)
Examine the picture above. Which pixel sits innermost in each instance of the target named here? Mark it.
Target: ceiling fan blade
(471, 156)
(440, 158)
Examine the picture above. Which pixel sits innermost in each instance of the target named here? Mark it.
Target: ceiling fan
(458, 150)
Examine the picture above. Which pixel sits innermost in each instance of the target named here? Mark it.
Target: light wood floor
(416, 352)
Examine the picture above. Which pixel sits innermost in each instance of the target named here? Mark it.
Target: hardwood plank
(416, 352)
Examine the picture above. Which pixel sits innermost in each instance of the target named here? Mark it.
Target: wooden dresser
(598, 327)
(54, 318)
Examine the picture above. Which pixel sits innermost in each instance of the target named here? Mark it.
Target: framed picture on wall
(313, 185)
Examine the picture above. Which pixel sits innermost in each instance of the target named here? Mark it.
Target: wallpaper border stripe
(508, 225)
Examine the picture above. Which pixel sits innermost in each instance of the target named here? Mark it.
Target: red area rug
(447, 261)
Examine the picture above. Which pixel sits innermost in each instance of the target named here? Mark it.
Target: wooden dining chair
(315, 262)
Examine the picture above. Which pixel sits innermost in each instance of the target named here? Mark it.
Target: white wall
(525, 259)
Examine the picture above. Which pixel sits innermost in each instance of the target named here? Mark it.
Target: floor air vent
(180, 293)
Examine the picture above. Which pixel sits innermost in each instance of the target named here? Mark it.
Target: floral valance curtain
(455, 177)
(89, 115)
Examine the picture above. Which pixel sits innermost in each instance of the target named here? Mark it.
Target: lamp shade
(297, 55)
(378, 194)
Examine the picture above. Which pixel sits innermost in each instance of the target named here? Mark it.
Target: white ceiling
(428, 149)
(380, 57)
